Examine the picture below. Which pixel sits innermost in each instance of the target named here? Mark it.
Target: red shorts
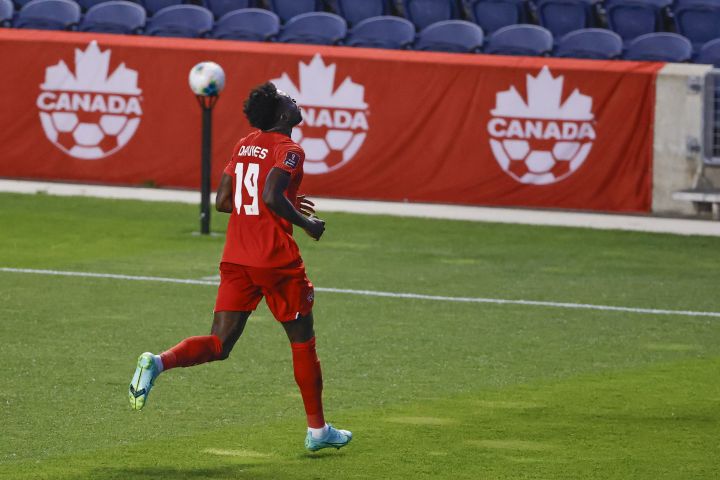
(288, 292)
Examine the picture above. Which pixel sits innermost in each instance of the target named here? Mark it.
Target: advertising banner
(378, 124)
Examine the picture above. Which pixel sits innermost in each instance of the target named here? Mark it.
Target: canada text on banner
(386, 125)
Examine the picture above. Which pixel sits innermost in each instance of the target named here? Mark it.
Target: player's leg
(308, 376)
(237, 297)
(226, 329)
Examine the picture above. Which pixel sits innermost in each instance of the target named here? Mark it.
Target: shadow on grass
(169, 473)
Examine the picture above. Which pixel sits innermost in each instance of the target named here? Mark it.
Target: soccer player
(261, 259)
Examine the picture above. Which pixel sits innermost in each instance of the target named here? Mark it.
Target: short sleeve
(230, 167)
(290, 160)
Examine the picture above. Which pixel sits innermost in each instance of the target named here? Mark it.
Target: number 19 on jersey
(247, 180)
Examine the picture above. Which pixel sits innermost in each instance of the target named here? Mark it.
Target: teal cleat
(143, 380)
(334, 438)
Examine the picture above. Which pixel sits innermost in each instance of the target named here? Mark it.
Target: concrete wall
(678, 123)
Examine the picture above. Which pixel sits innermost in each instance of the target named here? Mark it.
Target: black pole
(206, 103)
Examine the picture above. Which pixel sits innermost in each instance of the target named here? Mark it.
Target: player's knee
(224, 354)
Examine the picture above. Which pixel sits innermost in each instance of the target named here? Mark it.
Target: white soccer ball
(540, 162)
(207, 79)
(81, 135)
(327, 149)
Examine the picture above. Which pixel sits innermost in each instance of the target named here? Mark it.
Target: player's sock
(158, 364)
(319, 433)
(309, 378)
(192, 351)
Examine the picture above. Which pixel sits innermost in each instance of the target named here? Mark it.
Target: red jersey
(256, 236)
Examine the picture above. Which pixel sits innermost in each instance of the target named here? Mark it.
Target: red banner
(387, 125)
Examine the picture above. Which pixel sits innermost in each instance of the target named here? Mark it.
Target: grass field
(431, 389)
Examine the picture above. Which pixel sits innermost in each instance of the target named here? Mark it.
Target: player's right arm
(274, 197)
(223, 200)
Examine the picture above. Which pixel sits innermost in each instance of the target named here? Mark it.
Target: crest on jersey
(542, 139)
(292, 159)
(335, 121)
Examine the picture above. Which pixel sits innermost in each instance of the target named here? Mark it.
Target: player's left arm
(273, 196)
(223, 200)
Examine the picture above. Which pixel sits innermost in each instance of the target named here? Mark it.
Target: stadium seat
(287, 9)
(7, 9)
(86, 5)
(709, 53)
(154, 6)
(49, 15)
(355, 11)
(426, 12)
(632, 18)
(21, 3)
(219, 8)
(697, 20)
(382, 32)
(492, 15)
(659, 47)
(595, 43)
(190, 21)
(250, 24)
(451, 36)
(116, 16)
(564, 16)
(317, 28)
(530, 40)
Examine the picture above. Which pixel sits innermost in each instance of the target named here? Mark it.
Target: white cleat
(334, 438)
(142, 381)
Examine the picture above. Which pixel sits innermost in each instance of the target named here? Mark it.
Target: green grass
(430, 389)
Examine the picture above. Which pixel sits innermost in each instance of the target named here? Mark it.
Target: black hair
(261, 106)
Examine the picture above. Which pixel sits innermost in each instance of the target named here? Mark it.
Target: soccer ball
(540, 162)
(89, 136)
(327, 149)
(207, 79)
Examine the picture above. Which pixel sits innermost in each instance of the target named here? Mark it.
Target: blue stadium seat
(426, 12)
(154, 6)
(595, 43)
(7, 9)
(48, 15)
(382, 32)
(659, 47)
(221, 7)
(492, 15)
(529, 40)
(287, 9)
(564, 16)
(709, 53)
(355, 11)
(697, 20)
(632, 18)
(21, 3)
(250, 24)
(451, 36)
(317, 28)
(86, 5)
(190, 21)
(116, 16)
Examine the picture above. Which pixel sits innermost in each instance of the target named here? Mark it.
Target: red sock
(192, 351)
(309, 378)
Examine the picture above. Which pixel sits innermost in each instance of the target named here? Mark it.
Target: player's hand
(305, 206)
(315, 227)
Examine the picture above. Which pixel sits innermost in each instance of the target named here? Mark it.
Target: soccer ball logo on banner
(335, 121)
(90, 113)
(542, 140)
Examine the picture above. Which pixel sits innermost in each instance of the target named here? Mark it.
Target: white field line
(373, 293)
